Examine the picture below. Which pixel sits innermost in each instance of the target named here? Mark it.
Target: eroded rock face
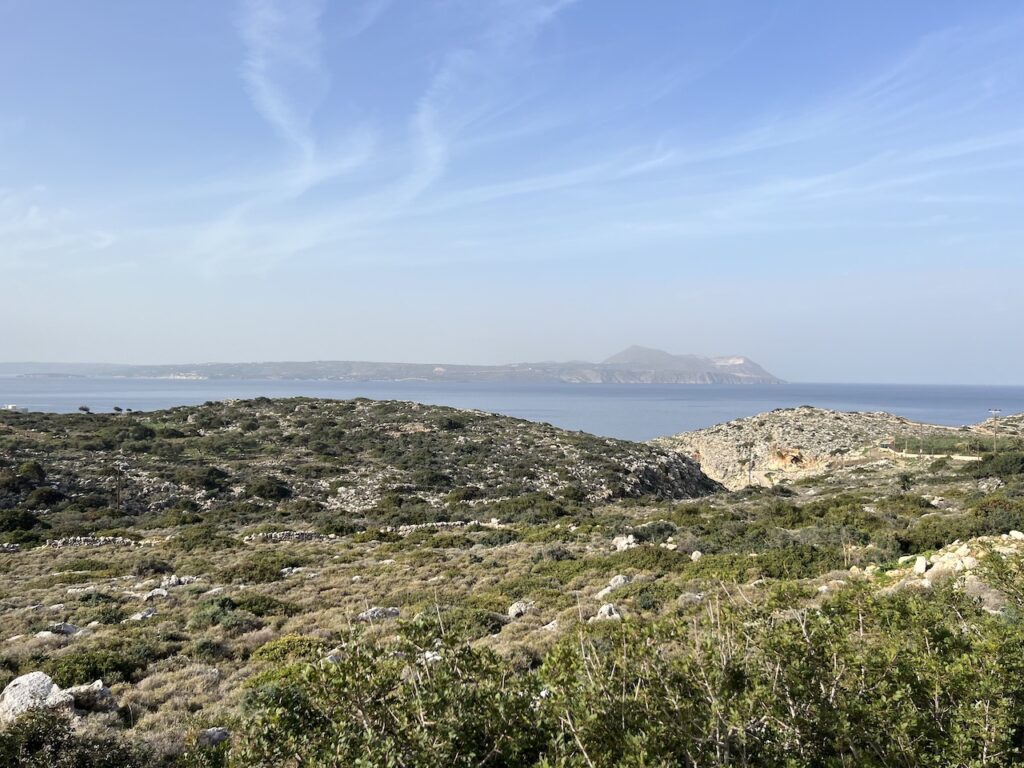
(33, 691)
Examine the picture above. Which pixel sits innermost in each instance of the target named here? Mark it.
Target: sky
(835, 190)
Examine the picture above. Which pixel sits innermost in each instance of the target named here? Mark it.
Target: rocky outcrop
(33, 691)
(793, 443)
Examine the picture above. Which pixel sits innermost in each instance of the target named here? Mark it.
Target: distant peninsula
(635, 365)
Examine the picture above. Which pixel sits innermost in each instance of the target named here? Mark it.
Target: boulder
(211, 737)
(378, 614)
(153, 594)
(696, 555)
(148, 613)
(63, 628)
(519, 608)
(94, 697)
(615, 583)
(622, 543)
(607, 612)
(33, 691)
(920, 566)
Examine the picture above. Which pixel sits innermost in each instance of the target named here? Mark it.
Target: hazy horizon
(830, 190)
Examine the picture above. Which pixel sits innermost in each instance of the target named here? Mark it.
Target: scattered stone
(378, 614)
(153, 594)
(1016, 535)
(289, 536)
(63, 628)
(174, 580)
(33, 691)
(91, 541)
(148, 613)
(551, 626)
(5, 547)
(990, 484)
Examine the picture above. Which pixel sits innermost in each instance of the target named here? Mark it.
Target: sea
(627, 411)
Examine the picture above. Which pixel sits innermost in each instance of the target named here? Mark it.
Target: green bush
(40, 739)
(1002, 465)
(912, 679)
(291, 648)
(269, 488)
(261, 568)
(112, 661)
(265, 605)
(17, 520)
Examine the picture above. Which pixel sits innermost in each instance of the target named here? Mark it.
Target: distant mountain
(636, 365)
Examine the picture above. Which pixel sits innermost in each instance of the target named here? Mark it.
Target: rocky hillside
(797, 442)
(337, 460)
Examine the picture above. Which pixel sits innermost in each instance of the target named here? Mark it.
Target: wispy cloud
(283, 70)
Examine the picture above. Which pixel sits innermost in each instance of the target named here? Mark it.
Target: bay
(629, 411)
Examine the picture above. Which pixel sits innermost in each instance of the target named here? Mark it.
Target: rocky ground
(163, 618)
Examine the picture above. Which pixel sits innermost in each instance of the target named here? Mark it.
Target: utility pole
(995, 423)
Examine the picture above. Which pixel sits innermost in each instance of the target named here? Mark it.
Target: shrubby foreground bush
(910, 679)
(904, 680)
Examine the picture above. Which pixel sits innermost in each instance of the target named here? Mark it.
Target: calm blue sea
(635, 412)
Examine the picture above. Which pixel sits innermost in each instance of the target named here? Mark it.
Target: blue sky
(834, 189)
